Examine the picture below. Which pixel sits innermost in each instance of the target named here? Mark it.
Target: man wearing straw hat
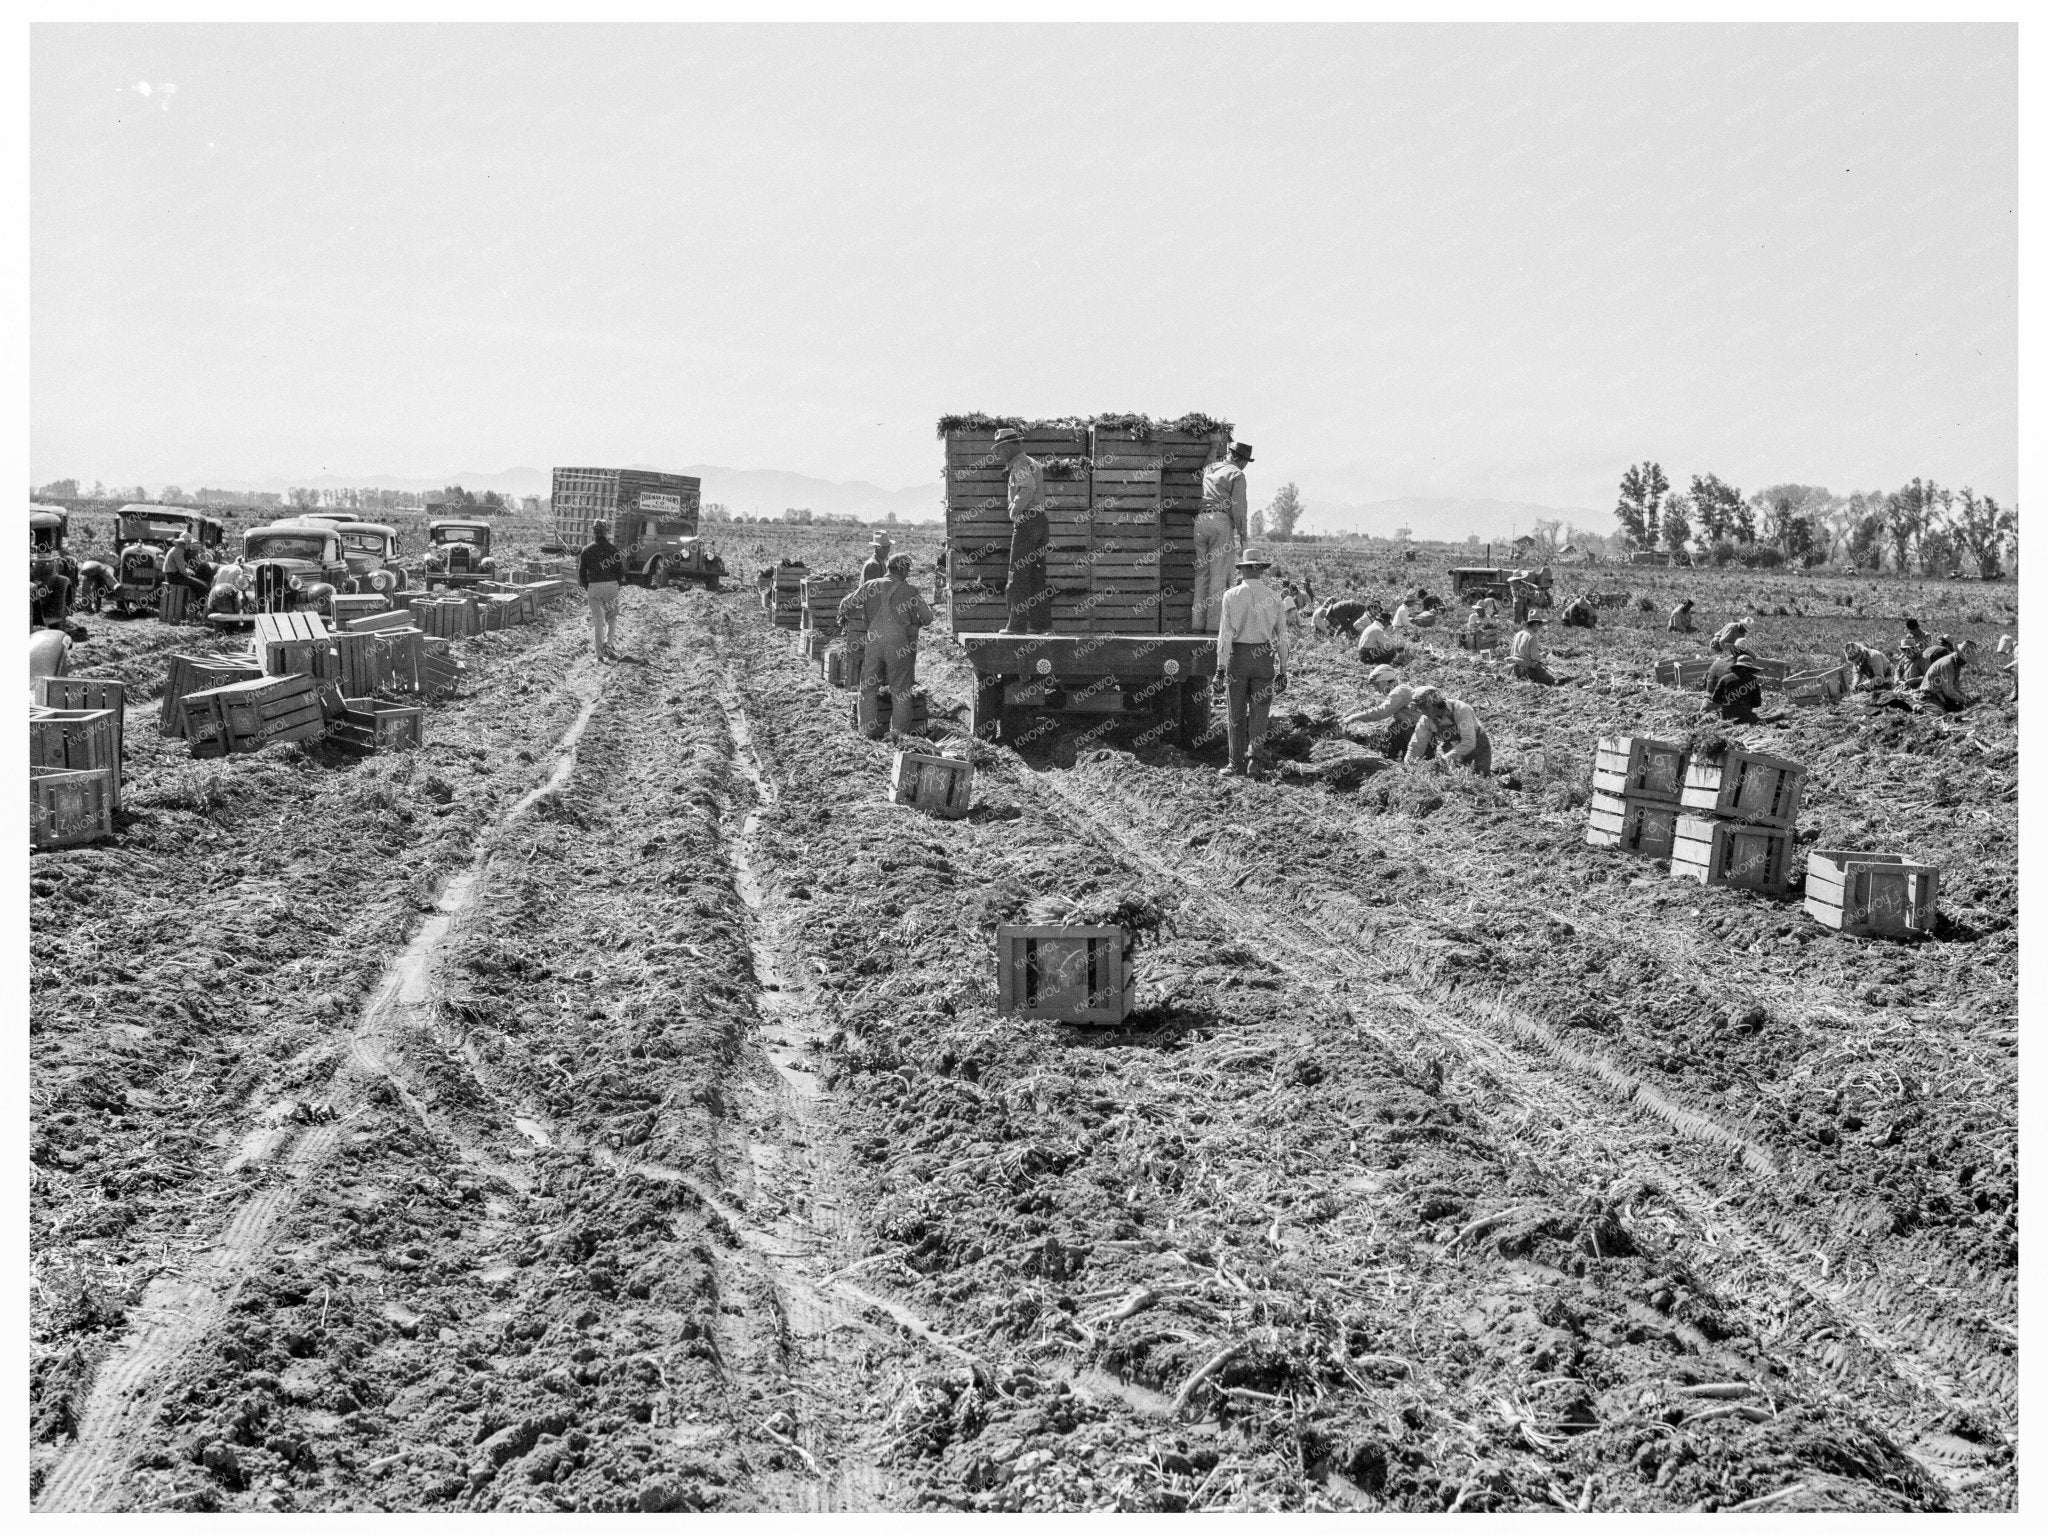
(1251, 653)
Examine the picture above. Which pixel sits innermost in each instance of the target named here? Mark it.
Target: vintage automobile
(47, 560)
(143, 535)
(459, 552)
(371, 550)
(660, 551)
(293, 565)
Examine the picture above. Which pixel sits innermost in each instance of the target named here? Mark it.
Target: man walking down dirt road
(1251, 651)
(1030, 604)
(1220, 530)
(599, 570)
(894, 611)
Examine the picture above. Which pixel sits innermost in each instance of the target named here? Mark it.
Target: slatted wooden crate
(288, 644)
(381, 623)
(173, 603)
(349, 606)
(68, 807)
(1870, 895)
(359, 664)
(439, 670)
(452, 617)
(81, 740)
(1687, 675)
(1738, 854)
(810, 645)
(821, 596)
(790, 578)
(399, 659)
(920, 710)
(89, 693)
(1639, 768)
(842, 663)
(1064, 974)
(1642, 826)
(940, 786)
(1816, 689)
(194, 674)
(1485, 637)
(369, 725)
(977, 608)
(1745, 785)
(248, 716)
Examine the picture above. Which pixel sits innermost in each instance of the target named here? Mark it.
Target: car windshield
(363, 543)
(476, 536)
(285, 546)
(151, 531)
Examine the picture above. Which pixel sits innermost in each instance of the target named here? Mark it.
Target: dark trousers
(1399, 733)
(892, 663)
(1029, 602)
(1251, 699)
(198, 586)
(1535, 671)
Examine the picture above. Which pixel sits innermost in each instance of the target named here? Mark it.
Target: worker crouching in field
(1251, 652)
(1738, 691)
(1449, 730)
(1942, 686)
(1376, 645)
(1579, 614)
(1397, 707)
(893, 611)
(599, 570)
(1871, 667)
(1343, 615)
(1681, 618)
(1730, 637)
(1526, 653)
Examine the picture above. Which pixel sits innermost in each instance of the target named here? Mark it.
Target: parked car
(143, 535)
(47, 560)
(371, 550)
(459, 553)
(294, 565)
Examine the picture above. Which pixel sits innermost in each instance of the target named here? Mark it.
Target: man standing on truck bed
(599, 570)
(1030, 604)
(1220, 530)
(894, 611)
(1251, 651)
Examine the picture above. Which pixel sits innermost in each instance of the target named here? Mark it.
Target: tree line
(1921, 526)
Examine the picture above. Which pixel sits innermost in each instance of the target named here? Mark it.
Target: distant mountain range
(1445, 518)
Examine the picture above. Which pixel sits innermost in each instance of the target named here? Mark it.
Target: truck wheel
(989, 724)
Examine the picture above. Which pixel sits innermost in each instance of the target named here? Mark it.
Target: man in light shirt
(1376, 646)
(1452, 725)
(1220, 529)
(1251, 652)
(1527, 654)
(1397, 706)
(1030, 604)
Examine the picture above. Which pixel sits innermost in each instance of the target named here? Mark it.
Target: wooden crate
(173, 602)
(69, 806)
(1482, 638)
(1870, 895)
(1642, 826)
(1737, 854)
(1748, 786)
(810, 645)
(359, 664)
(350, 606)
(1815, 689)
(382, 623)
(80, 740)
(398, 662)
(790, 578)
(1064, 974)
(1639, 768)
(439, 671)
(89, 693)
(194, 674)
(289, 644)
(448, 618)
(940, 786)
(372, 726)
(1688, 675)
(248, 716)
(842, 663)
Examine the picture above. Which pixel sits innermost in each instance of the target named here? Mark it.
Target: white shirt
(1401, 616)
(1251, 616)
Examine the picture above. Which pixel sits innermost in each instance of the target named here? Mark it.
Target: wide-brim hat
(1008, 434)
(1253, 559)
(1241, 450)
(1383, 676)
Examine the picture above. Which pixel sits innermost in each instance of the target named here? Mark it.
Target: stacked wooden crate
(1870, 895)
(173, 602)
(196, 674)
(359, 664)
(1065, 974)
(1183, 455)
(381, 623)
(1636, 787)
(77, 741)
(978, 516)
(820, 596)
(451, 616)
(349, 606)
(1739, 809)
(785, 597)
(248, 716)
(89, 693)
(288, 644)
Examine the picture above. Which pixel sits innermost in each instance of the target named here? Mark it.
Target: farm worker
(1290, 604)
(96, 582)
(1527, 654)
(49, 655)
(1220, 529)
(939, 577)
(1731, 637)
(1579, 614)
(1681, 618)
(1402, 617)
(1942, 686)
(1737, 692)
(1397, 706)
(2010, 648)
(1872, 666)
(599, 570)
(226, 595)
(1030, 604)
(1251, 651)
(178, 562)
(1376, 646)
(893, 611)
(1344, 614)
(878, 562)
(1451, 724)
(1486, 609)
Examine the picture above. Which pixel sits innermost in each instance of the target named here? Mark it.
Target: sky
(1406, 261)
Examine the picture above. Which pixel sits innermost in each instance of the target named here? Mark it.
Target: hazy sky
(1406, 261)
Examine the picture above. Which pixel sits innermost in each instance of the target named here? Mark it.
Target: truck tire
(989, 724)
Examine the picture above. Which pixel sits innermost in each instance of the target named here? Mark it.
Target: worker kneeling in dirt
(1397, 706)
(1377, 647)
(1449, 730)
(1942, 686)
(1730, 637)
(1681, 618)
(1526, 653)
(1737, 692)
(893, 611)
(1871, 667)
(1579, 614)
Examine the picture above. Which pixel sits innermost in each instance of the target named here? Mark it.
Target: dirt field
(605, 1107)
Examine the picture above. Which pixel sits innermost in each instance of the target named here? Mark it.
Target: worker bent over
(1527, 654)
(1681, 618)
(1737, 692)
(599, 570)
(1449, 730)
(1941, 685)
(1030, 604)
(893, 611)
(1220, 529)
(1398, 707)
(1251, 652)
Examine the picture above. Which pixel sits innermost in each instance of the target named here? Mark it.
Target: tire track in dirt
(1921, 1352)
(177, 1311)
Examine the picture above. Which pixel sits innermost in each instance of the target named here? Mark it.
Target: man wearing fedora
(1251, 652)
(878, 562)
(1526, 652)
(1220, 530)
(1030, 604)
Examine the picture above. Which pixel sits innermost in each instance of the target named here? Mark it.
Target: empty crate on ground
(194, 674)
(69, 806)
(1870, 895)
(79, 740)
(88, 693)
(248, 716)
(370, 725)
(941, 786)
(1065, 974)
(1634, 825)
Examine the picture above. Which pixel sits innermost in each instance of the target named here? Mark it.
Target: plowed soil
(606, 1108)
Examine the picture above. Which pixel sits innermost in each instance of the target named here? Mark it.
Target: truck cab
(47, 560)
(371, 551)
(459, 552)
(294, 565)
(660, 550)
(143, 535)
